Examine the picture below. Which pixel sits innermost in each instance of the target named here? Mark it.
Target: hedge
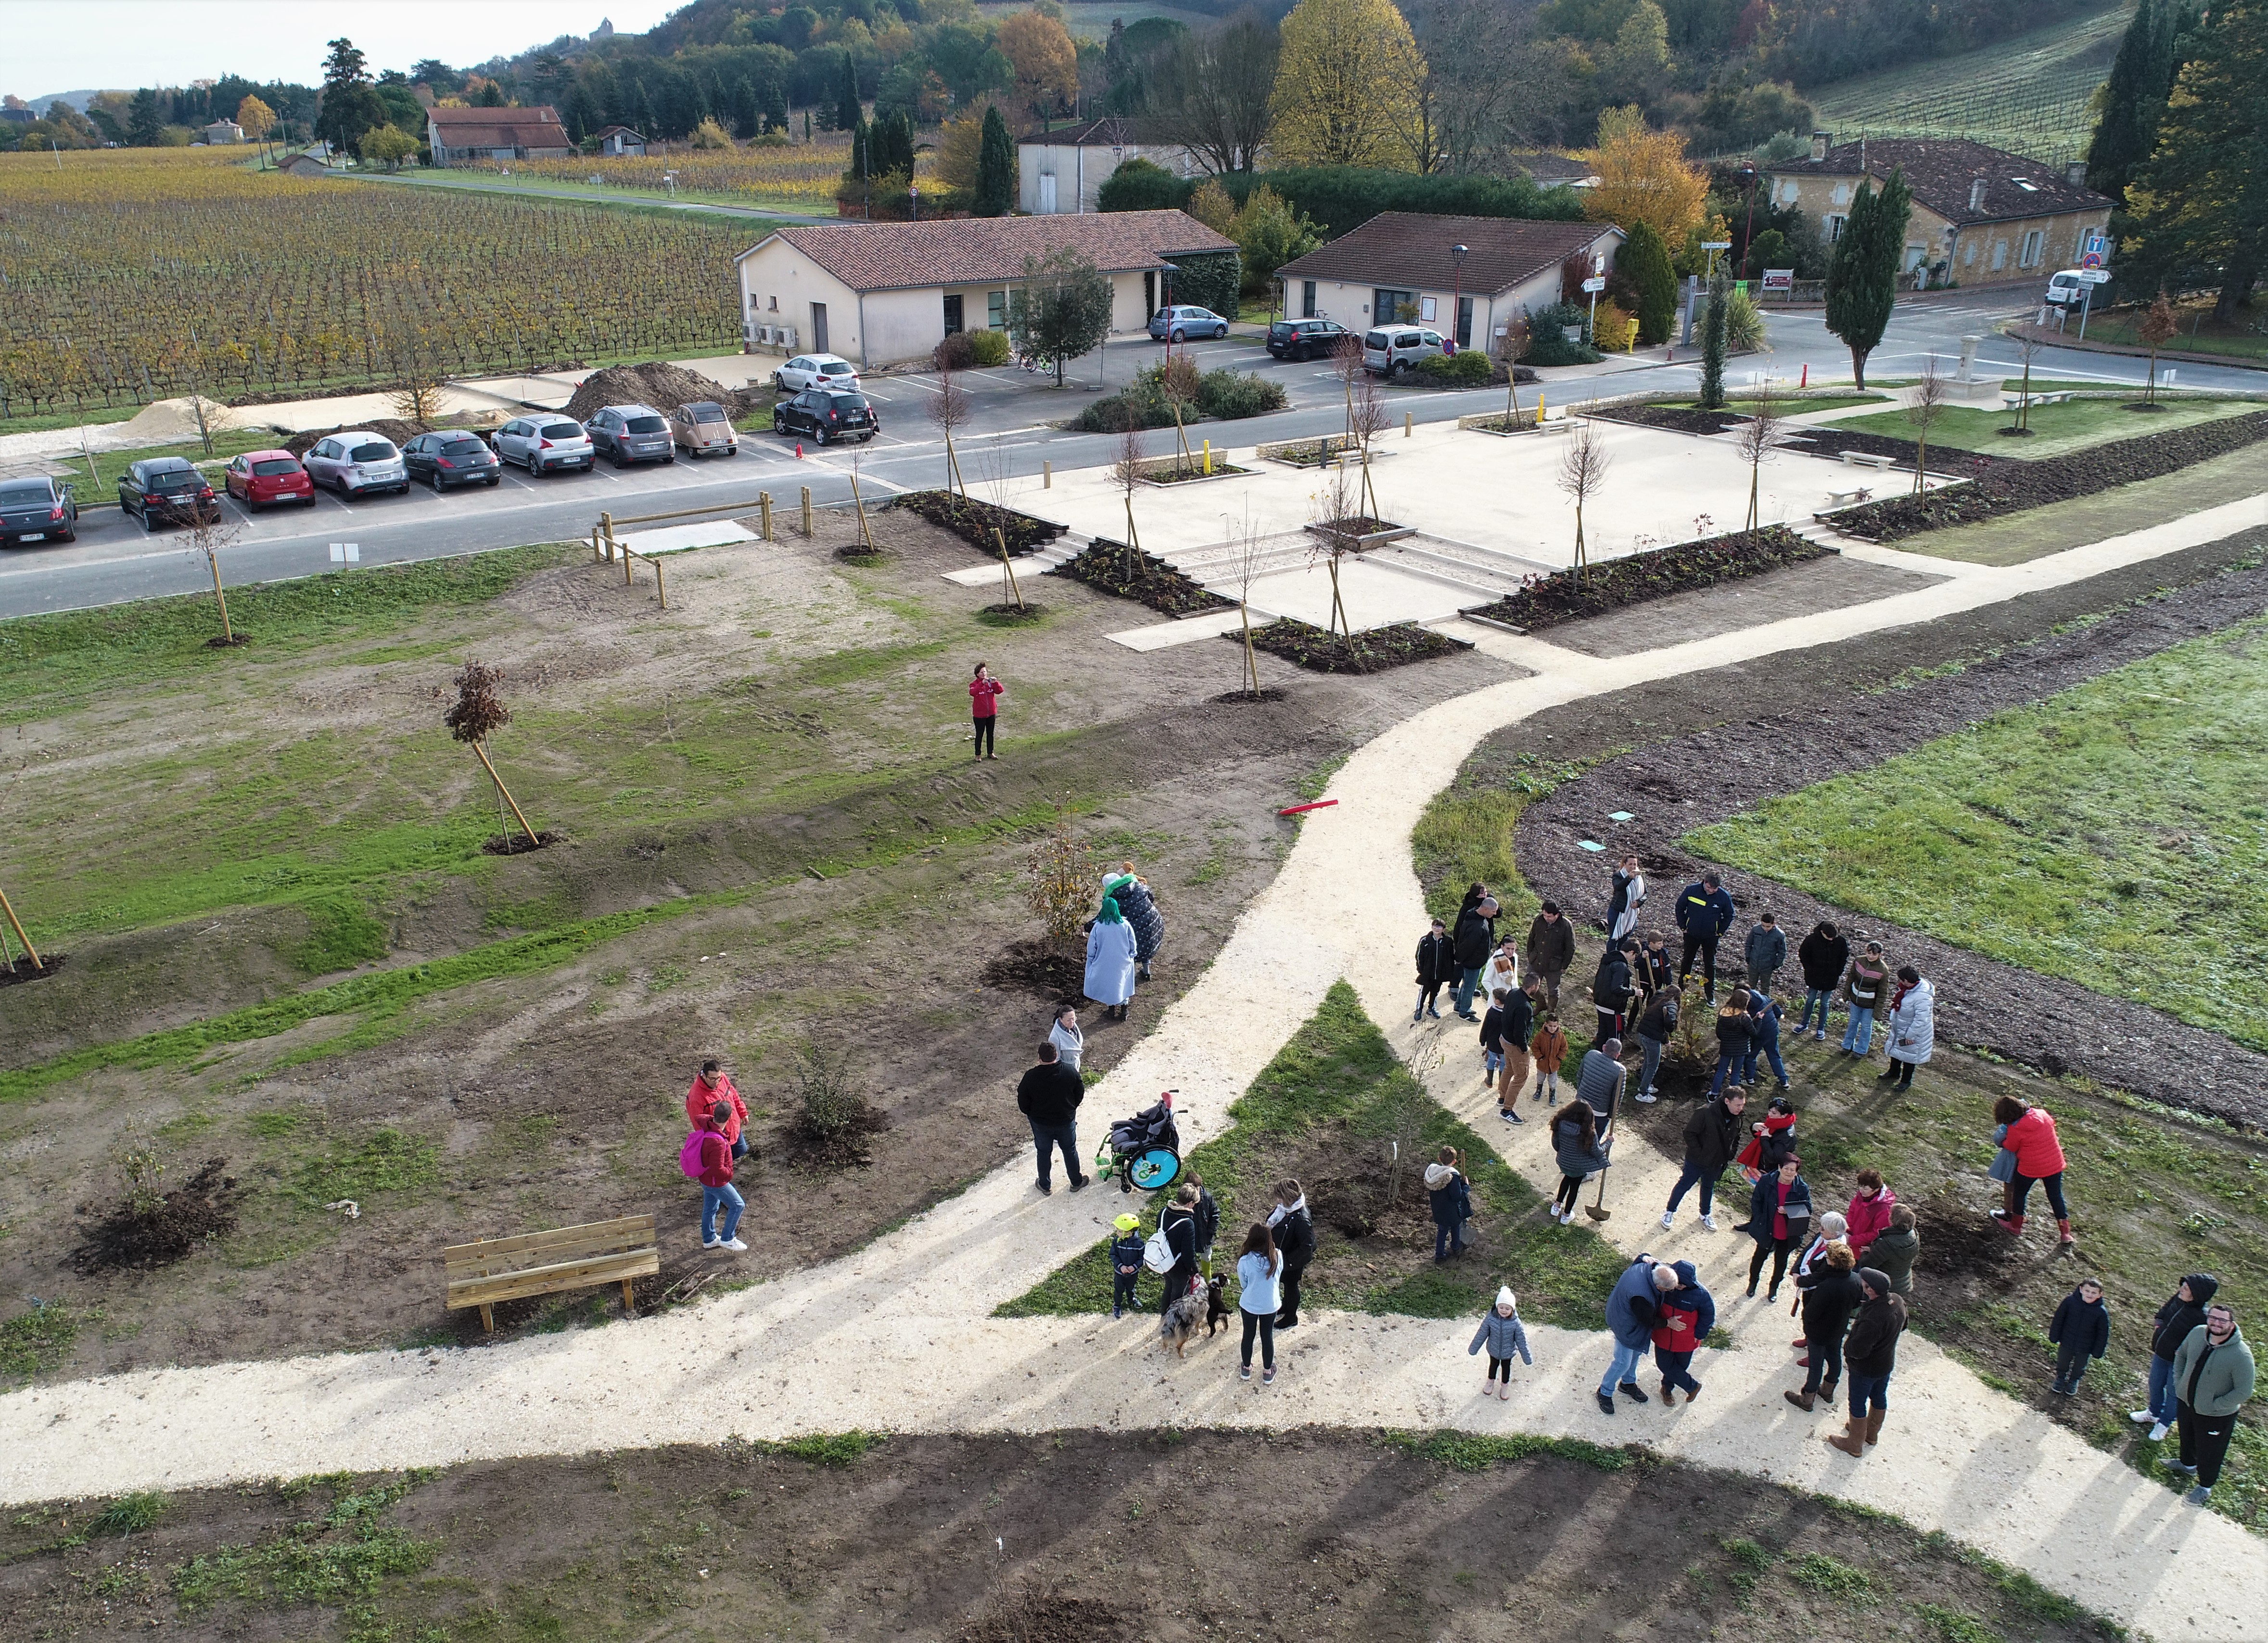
(1341, 197)
(1209, 279)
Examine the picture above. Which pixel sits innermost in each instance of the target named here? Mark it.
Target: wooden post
(628, 1305)
(607, 525)
(764, 507)
(657, 587)
(481, 754)
(1409, 422)
(1047, 476)
(807, 510)
(487, 1317)
(627, 557)
(1008, 567)
(17, 926)
(596, 556)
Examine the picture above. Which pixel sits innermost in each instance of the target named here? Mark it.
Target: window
(1388, 304)
(1999, 255)
(996, 310)
(1842, 194)
(1835, 228)
(2035, 246)
(1969, 253)
(1307, 300)
(774, 305)
(1425, 309)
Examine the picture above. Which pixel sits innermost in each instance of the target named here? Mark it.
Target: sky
(119, 44)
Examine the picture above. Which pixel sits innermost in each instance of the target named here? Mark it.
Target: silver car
(1391, 349)
(544, 445)
(631, 433)
(357, 464)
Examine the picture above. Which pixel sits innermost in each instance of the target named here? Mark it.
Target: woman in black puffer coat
(1141, 910)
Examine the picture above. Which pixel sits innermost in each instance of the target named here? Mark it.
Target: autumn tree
(2159, 327)
(1211, 206)
(1644, 178)
(1344, 84)
(256, 117)
(477, 712)
(386, 145)
(1046, 61)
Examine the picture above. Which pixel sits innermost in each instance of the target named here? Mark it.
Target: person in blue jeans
(1764, 1039)
(1633, 1311)
(1452, 1198)
(2182, 1314)
(1870, 1352)
(1862, 990)
(721, 1201)
(1823, 955)
(1734, 1041)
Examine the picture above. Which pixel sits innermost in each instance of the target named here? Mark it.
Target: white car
(357, 464)
(815, 370)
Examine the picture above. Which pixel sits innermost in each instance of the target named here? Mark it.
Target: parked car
(36, 509)
(806, 371)
(260, 478)
(827, 415)
(2067, 289)
(631, 433)
(455, 458)
(544, 445)
(166, 491)
(1178, 324)
(360, 463)
(1392, 350)
(1305, 339)
(703, 429)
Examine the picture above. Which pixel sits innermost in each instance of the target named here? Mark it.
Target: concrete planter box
(1371, 539)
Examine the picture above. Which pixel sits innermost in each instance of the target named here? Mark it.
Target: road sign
(1716, 245)
(2095, 276)
(1594, 284)
(346, 553)
(1779, 279)
(2099, 244)
(2092, 260)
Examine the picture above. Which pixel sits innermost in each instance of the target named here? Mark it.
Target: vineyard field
(2028, 94)
(803, 175)
(137, 274)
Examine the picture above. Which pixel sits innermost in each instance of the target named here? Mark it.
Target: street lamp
(1748, 174)
(1457, 299)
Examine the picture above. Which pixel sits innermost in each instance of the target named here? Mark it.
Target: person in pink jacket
(1869, 1214)
(2030, 1134)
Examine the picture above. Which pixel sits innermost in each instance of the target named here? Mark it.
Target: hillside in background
(2028, 93)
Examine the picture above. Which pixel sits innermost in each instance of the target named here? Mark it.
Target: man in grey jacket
(1766, 953)
(2212, 1378)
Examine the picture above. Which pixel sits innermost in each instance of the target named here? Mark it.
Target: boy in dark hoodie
(1681, 1321)
(2081, 1330)
(2185, 1312)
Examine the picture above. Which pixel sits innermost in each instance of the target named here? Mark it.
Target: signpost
(1596, 284)
(1713, 246)
(2089, 277)
(1781, 280)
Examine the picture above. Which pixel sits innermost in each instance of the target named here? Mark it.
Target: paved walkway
(897, 1337)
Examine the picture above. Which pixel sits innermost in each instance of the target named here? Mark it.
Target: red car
(260, 477)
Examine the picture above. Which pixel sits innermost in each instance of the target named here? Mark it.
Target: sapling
(477, 711)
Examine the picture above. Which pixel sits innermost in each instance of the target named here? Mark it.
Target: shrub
(1616, 329)
(1551, 346)
(1223, 394)
(956, 352)
(1230, 396)
(1466, 368)
(829, 1110)
(989, 348)
(1744, 323)
(710, 135)
(1141, 185)
(1210, 279)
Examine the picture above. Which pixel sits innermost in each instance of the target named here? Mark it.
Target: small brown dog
(1218, 1310)
(1179, 1324)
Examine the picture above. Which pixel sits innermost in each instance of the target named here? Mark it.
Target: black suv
(451, 458)
(631, 433)
(1304, 339)
(166, 491)
(827, 415)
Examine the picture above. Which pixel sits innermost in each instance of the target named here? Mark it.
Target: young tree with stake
(1126, 473)
(1583, 464)
(1928, 400)
(1758, 436)
(477, 711)
(1518, 336)
(949, 407)
(2159, 327)
(2028, 348)
(1245, 543)
(208, 533)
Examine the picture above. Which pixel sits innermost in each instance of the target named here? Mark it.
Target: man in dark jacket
(1714, 1136)
(1515, 1025)
(1871, 1352)
(1474, 939)
(1831, 1295)
(1613, 990)
(1632, 1310)
(1550, 950)
(1048, 1094)
(1704, 913)
(1437, 968)
(1294, 1230)
(2080, 1329)
(1654, 969)
(1824, 956)
(1765, 951)
(2185, 1312)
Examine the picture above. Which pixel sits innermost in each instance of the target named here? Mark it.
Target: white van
(1390, 349)
(2066, 289)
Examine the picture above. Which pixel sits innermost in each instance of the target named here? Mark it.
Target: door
(1307, 300)
(818, 328)
(1464, 322)
(1047, 193)
(1148, 294)
(952, 312)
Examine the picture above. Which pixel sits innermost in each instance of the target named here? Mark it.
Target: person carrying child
(2079, 1330)
(1681, 1321)
(1501, 1333)
(1551, 1048)
(1125, 1258)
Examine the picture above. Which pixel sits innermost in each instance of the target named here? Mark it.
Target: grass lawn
(2015, 538)
(2072, 425)
(2115, 834)
(1325, 1112)
(2244, 338)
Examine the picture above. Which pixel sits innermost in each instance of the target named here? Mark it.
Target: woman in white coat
(1913, 1028)
(1110, 959)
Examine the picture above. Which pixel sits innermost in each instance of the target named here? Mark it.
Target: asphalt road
(1010, 433)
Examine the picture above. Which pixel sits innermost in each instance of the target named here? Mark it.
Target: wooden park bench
(1865, 458)
(491, 1270)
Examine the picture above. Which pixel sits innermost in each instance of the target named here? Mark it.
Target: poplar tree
(996, 168)
(1862, 269)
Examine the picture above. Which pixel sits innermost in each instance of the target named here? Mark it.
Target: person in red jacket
(1869, 1214)
(984, 694)
(712, 1085)
(2032, 1137)
(721, 1201)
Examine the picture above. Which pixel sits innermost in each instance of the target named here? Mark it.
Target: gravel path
(897, 1337)
(1692, 780)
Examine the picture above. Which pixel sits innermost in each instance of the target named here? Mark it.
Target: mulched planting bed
(1194, 470)
(1707, 775)
(1370, 651)
(1108, 567)
(858, 553)
(1006, 616)
(974, 521)
(1547, 600)
(1354, 525)
(1249, 698)
(1037, 967)
(1811, 441)
(202, 1207)
(517, 843)
(2005, 487)
(21, 970)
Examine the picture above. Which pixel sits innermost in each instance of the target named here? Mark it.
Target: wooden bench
(491, 1270)
(1865, 458)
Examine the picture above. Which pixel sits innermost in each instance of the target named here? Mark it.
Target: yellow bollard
(1208, 459)
(1539, 408)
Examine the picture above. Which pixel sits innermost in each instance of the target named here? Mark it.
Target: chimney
(1818, 147)
(1976, 195)
(2075, 173)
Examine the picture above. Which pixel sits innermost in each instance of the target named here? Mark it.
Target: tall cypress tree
(996, 168)
(1862, 269)
(748, 114)
(894, 144)
(1644, 261)
(848, 113)
(1712, 339)
(2133, 98)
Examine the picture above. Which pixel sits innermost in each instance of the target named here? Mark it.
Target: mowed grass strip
(2072, 425)
(2115, 834)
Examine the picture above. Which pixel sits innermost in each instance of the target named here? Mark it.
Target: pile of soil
(2005, 486)
(663, 387)
(1705, 775)
(1372, 650)
(517, 843)
(974, 521)
(1959, 1241)
(1544, 601)
(1037, 967)
(392, 428)
(202, 1207)
(1105, 566)
(858, 553)
(21, 970)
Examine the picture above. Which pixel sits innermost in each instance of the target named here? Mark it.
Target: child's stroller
(1143, 1150)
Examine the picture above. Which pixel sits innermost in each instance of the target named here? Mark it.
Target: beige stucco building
(1980, 215)
(878, 293)
(1063, 171)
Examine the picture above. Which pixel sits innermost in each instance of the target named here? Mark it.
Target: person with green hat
(1125, 1264)
(1110, 959)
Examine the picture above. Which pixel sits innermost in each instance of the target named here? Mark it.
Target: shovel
(1597, 1211)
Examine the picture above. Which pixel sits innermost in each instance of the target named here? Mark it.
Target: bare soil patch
(201, 1208)
(1373, 649)
(1039, 968)
(518, 843)
(23, 969)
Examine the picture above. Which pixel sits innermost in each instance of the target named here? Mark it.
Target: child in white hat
(1501, 1331)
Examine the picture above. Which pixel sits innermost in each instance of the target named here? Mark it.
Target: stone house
(1063, 171)
(1980, 215)
(468, 136)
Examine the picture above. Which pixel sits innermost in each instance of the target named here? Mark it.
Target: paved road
(1010, 433)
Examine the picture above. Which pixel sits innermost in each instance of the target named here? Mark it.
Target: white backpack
(1158, 1254)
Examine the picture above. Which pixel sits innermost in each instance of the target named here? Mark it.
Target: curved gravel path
(896, 1337)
